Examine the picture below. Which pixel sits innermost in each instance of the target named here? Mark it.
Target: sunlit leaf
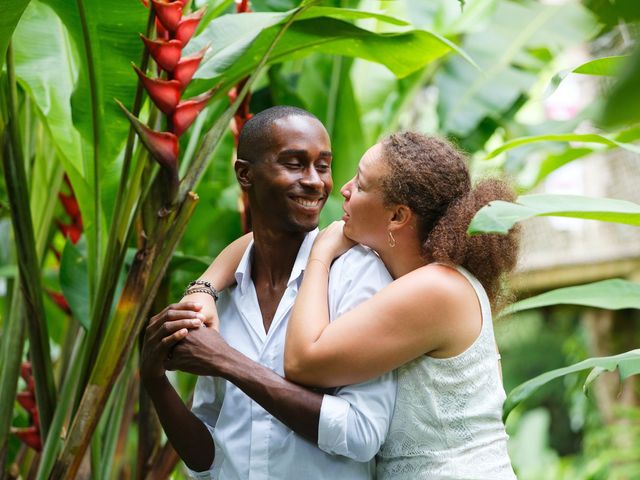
(563, 137)
(627, 363)
(613, 294)
(623, 104)
(11, 12)
(499, 216)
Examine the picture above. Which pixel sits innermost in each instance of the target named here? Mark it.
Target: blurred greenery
(485, 73)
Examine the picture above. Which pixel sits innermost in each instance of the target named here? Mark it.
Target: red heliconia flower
(60, 301)
(70, 204)
(161, 32)
(163, 146)
(27, 400)
(72, 232)
(30, 436)
(186, 67)
(242, 6)
(187, 111)
(187, 26)
(25, 371)
(169, 13)
(166, 53)
(164, 93)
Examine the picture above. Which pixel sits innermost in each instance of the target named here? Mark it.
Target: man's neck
(274, 253)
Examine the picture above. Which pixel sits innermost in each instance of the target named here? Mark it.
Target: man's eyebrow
(294, 152)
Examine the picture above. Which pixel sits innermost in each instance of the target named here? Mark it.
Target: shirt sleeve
(354, 421)
(207, 401)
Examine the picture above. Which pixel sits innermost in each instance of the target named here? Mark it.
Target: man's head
(284, 164)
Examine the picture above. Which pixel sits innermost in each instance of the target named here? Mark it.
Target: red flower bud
(187, 111)
(187, 67)
(36, 417)
(163, 146)
(25, 371)
(161, 32)
(187, 26)
(166, 53)
(30, 436)
(27, 400)
(164, 93)
(73, 232)
(60, 301)
(242, 6)
(169, 13)
(70, 205)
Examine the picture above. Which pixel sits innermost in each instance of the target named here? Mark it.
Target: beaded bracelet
(201, 287)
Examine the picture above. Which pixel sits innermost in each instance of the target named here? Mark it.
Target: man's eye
(292, 164)
(323, 167)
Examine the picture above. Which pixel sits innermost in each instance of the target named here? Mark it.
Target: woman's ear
(243, 173)
(401, 216)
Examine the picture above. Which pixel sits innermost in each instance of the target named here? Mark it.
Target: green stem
(128, 190)
(12, 348)
(28, 265)
(52, 442)
(96, 119)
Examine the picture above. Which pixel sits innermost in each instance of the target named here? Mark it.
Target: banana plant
(120, 153)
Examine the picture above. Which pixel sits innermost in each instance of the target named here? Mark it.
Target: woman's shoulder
(439, 279)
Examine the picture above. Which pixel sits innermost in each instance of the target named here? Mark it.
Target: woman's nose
(346, 189)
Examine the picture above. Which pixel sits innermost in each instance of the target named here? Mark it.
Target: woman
(411, 201)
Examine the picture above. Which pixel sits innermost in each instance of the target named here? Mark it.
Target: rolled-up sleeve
(354, 421)
(207, 401)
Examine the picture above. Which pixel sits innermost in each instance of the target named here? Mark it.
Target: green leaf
(623, 104)
(563, 137)
(613, 294)
(506, 53)
(11, 12)
(627, 363)
(349, 14)
(74, 283)
(605, 66)
(235, 55)
(499, 216)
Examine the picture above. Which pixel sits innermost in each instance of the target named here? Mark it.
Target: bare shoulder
(437, 282)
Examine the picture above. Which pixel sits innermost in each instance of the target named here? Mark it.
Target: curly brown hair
(430, 176)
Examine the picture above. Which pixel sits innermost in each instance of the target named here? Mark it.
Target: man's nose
(312, 178)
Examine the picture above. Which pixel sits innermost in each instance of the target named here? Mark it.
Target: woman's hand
(331, 242)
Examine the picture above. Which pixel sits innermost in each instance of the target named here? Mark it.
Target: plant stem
(28, 265)
(96, 118)
(118, 234)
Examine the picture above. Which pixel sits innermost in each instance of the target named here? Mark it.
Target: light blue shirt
(253, 445)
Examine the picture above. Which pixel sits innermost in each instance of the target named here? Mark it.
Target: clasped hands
(184, 336)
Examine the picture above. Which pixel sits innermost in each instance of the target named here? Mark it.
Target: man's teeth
(307, 203)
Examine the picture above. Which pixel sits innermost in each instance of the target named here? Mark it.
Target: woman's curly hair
(430, 176)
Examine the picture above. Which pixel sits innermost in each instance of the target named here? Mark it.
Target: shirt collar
(243, 272)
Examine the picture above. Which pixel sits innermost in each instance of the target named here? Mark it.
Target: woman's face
(366, 218)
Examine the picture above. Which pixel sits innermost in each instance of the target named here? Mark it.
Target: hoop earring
(392, 241)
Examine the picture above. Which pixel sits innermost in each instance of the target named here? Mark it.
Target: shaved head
(255, 137)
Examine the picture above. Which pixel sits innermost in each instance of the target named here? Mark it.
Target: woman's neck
(400, 261)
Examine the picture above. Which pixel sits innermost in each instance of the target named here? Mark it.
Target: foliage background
(496, 92)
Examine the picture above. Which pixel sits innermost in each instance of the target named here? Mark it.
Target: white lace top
(447, 422)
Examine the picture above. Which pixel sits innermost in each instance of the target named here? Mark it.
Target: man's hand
(164, 331)
(201, 352)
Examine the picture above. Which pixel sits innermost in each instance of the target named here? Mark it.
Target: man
(243, 428)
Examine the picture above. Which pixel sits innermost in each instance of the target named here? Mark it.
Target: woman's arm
(416, 314)
(221, 274)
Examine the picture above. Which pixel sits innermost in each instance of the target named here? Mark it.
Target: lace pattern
(447, 422)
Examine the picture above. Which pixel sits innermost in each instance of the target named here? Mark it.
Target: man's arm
(204, 352)
(187, 434)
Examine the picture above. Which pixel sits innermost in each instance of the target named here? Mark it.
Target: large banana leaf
(234, 56)
(499, 216)
(11, 12)
(627, 364)
(564, 137)
(613, 294)
(510, 54)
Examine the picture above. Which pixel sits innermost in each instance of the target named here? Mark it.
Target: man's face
(291, 183)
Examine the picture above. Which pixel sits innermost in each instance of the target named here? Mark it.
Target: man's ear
(244, 173)
(401, 216)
